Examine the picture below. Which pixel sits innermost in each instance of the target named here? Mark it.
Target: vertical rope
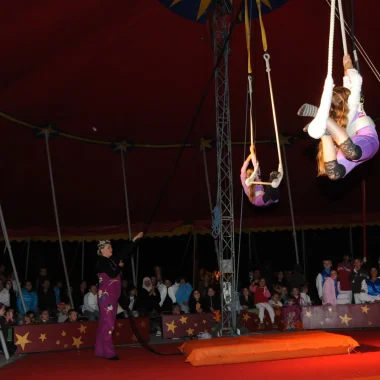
(291, 205)
(331, 38)
(127, 212)
(8, 245)
(46, 132)
(342, 29)
(27, 258)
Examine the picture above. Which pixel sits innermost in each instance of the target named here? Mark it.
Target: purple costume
(108, 295)
(259, 189)
(366, 137)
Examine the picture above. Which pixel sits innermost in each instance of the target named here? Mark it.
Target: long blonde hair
(338, 112)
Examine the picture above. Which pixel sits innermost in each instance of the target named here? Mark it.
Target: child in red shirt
(262, 294)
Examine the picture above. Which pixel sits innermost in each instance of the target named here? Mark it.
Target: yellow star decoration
(82, 329)
(195, 324)
(42, 337)
(278, 311)
(308, 314)
(57, 342)
(365, 309)
(204, 321)
(63, 333)
(134, 338)
(77, 342)
(171, 327)
(143, 324)
(66, 345)
(22, 340)
(117, 334)
(345, 319)
(369, 323)
(119, 325)
(246, 317)
(190, 331)
(330, 309)
(202, 7)
(183, 319)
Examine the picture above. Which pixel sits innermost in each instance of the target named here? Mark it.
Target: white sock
(317, 127)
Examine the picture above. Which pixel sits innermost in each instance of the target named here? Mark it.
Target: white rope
(127, 211)
(341, 17)
(331, 39)
(291, 205)
(360, 49)
(8, 245)
(276, 182)
(46, 132)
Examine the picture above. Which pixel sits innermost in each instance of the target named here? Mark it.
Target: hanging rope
(249, 103)
(252, 179)
(359, 47)
(46, 133)
(127, 212)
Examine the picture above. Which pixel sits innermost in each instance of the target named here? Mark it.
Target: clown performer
(108, 271)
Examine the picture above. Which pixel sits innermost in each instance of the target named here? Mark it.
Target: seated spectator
(4, 328)
(275, 300)
(204, 285)
(321, 278)
(297, 296)
(30, 299)
(246, 299)
(371, 288)
(58, 291)
(12, 294)
(331, 293)
(167, 293)
(62, 312)
(90, 307)
(47, 298)
(29, 318)
(79, 294)
(277, 288)
(284, 295)
(9, 317)
(176, 309)
(344, 271)
(280, 279)
(291, 313)
(183, 294)
(4, 295)
(149, 297)
(66, 295)
(132, 302)
(196, 303)
(44, 316)
(72, 316)
(42, 276)
(11, 276)
(262, 294)
(304, 295)
(212, 301)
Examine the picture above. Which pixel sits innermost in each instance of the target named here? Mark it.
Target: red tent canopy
(136, 71)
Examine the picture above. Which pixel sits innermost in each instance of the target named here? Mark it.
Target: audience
(212, 301)
(4, 294)
(246, 299)
(30, 299)
(357, 275)
(261, 297)
(90, 307)
(47, 297)
(12, 294)
(196, 303)
(183, 294)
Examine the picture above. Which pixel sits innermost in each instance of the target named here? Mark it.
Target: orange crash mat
(266, 347)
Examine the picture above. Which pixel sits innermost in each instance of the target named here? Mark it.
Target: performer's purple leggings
(367, 139)
(108, 296)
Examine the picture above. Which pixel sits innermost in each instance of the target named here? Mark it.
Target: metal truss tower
(226, 239)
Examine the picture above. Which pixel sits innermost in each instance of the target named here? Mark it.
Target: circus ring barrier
(75, 335)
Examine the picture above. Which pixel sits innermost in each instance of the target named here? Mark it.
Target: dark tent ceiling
(133, 70)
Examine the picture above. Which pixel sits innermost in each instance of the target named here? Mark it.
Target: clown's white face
(106, 251)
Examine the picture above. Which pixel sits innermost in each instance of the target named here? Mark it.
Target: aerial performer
(108, 272)
(348, 135)
(258, 194)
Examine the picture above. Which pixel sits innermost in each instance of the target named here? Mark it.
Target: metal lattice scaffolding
(226, 241)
